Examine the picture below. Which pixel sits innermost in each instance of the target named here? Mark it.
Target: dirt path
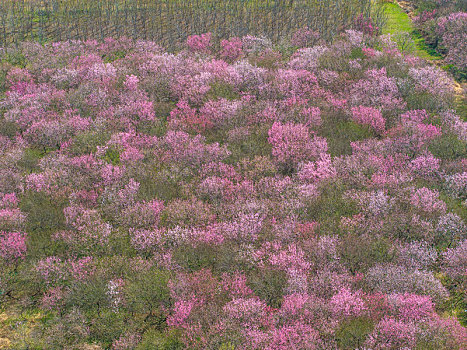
(407, 7)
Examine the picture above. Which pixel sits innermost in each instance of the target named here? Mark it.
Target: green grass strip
(398, 21)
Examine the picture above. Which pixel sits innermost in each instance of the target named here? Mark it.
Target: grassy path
(399, 22)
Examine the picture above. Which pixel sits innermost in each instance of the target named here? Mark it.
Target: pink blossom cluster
(233, 195)
(304, 37)
(369, 116)
(199, 43)
(292, 143)
(231, 49)
(452, 31)
(12, 245)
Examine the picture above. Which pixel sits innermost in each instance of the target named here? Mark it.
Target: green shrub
(339, 135)
(329, 208)
(107, 326)
(147, 293)
(153, 186)
(89, 296)
(352, 333)
(222, 90)
(66, 332)
(186, 213)
(195, 259)
(29, 160)
(115, 55)
(423, 100)
(87, 142)
(45, 216)
(357, 53)
(362, 252)
(44, 213)
(15, 58)
(112, 156)
(7, 128)
(156, 340)
(156, 127)
(268, 285)
(448, 146)
(254, 144)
